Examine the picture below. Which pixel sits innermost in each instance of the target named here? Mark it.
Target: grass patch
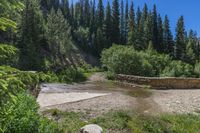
(69, 122)
(165, 124)
(72, 122)
(113, 120)
(127, 122)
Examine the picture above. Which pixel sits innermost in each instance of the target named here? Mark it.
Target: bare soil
(118, 97)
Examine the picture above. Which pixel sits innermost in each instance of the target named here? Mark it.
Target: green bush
(126, 60)
(197, 69)
(156, 61)
(110, 75)
(69, 75)
(13, 82)
(9, 55)
(87, 69)
(20, 117)
(178, 69)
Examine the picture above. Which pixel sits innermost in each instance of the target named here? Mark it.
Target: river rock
(91, 128)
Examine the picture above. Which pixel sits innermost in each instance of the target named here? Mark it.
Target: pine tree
(145, 28)
(190, 54)
(132, 26)
(148, 30)
(92, 26)
(77, 13)
(30, 36)
(155, 28)
(122, 30)
(132, 18)
(192, 49)
(65, 9)
(115, 22)
(180, 46)
(126, 27)
(58, 35)
(100, 14)
(145, 12)
(86, 14)
(168, 44)
(138, 18)
(80, 12)
(139, 33)
(108, 25)
(160, 34)
(100, 41)
(73, 22)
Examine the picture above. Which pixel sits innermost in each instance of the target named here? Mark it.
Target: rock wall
(162, 83)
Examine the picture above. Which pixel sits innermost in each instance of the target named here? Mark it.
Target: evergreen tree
(73, 24)
(86, 14)
(92, 19)
(144, 31)
(180, 46)
(108, 25)
(148, 30)
(77, 13)
(155, 28)
(30, 36)
(132, 18)
(168, 45)
(126, 27)
(139, 33)
(100, 41)
(100, 14)
(198, 50)
(115, 22)
(65, 9)
(145, 12)
(160, 34)
(58, 35)
(190, 55)
(80, 12)
(132, 25)
(122, 30)
(192, 48)
(138, 18)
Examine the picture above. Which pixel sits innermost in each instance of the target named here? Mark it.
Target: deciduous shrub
(197, 69)
(178, 69)
(126, 60)
(69, 75)
(120, 59)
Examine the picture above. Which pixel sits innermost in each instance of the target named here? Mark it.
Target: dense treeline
(48, 30)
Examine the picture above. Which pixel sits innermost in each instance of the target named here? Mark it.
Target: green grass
(130, 122)
(165, 124)
(72, 122)
(69, 122)
(113, 120)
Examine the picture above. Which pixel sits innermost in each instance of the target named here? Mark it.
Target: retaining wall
(162, 82)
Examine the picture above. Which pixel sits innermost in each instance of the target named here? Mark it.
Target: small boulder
(91, 128)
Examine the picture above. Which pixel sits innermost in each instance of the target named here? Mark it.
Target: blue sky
(190, 9)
